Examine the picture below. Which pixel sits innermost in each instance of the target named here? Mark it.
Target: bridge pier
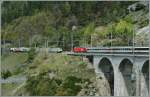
(141, 81)
(117, 79)
(144, 79)
(120, 79)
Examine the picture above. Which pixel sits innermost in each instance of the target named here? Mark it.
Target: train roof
(115, 47)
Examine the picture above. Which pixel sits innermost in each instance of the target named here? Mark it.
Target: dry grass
(63, 65)
(12, 60)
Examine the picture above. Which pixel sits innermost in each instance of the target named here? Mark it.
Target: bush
(69, 87)
(31, 54)
(17, 71)
(82, 65)
(44, 86)
(6, 74)
(41, 85)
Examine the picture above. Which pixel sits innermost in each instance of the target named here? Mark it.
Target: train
(79, 49)
(89, 49)
(26, 49)
(55, 50)
(110, 49)
(21, 49)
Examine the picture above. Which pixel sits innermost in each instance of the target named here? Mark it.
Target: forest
(58, 24)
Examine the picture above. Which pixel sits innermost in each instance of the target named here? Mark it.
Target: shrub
(70, 86)
(31, 54)
(41, 85)
(6, 74)
(17, 71)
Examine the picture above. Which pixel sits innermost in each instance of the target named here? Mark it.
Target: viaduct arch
(126, 72)
(106, 68)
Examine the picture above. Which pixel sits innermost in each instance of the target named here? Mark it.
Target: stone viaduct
(127, 72)
(130, 74)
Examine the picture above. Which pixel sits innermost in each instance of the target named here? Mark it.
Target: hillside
(13, 61)
(56, 22)
(59, 68)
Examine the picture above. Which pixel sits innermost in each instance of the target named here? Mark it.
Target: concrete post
(137, 82)
(116, 84)
(139, 77)
(115, 64)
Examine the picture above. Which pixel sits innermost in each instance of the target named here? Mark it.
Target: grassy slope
(64, 66)
(11, 61)
(8, 88)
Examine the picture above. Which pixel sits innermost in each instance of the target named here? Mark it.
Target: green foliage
(116, 42)
(6, 74)
(30, 23)
(70, 82)
(41, 85)
(18, 71)
(84, 10)
(69, 73)
(67, 8)
(129, 19)
(48, 87)
(89, 29)
(120, 32)
(124, 29)
(111, 29)
(114, 12)
(31, 54)
(12, 61)
(69, 87)
(8, 88)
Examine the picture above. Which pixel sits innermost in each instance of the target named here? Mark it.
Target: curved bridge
(125, 68)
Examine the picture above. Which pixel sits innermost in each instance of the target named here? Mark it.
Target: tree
(6, 74)
(124, 30)
(89, 30)
(27, 19)
(31, 54)
(101, 32)
(69, 86)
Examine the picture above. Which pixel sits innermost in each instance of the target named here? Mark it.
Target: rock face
(102, 85)
(142, 37)
(90, 91)
(144, 85)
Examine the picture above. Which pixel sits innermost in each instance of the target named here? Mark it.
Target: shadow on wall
(128, 84)
(106, 68)
(145, 79)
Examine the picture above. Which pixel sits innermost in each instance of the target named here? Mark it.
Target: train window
(146, 48)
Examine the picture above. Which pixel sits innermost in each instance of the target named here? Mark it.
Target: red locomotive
(79, 49)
